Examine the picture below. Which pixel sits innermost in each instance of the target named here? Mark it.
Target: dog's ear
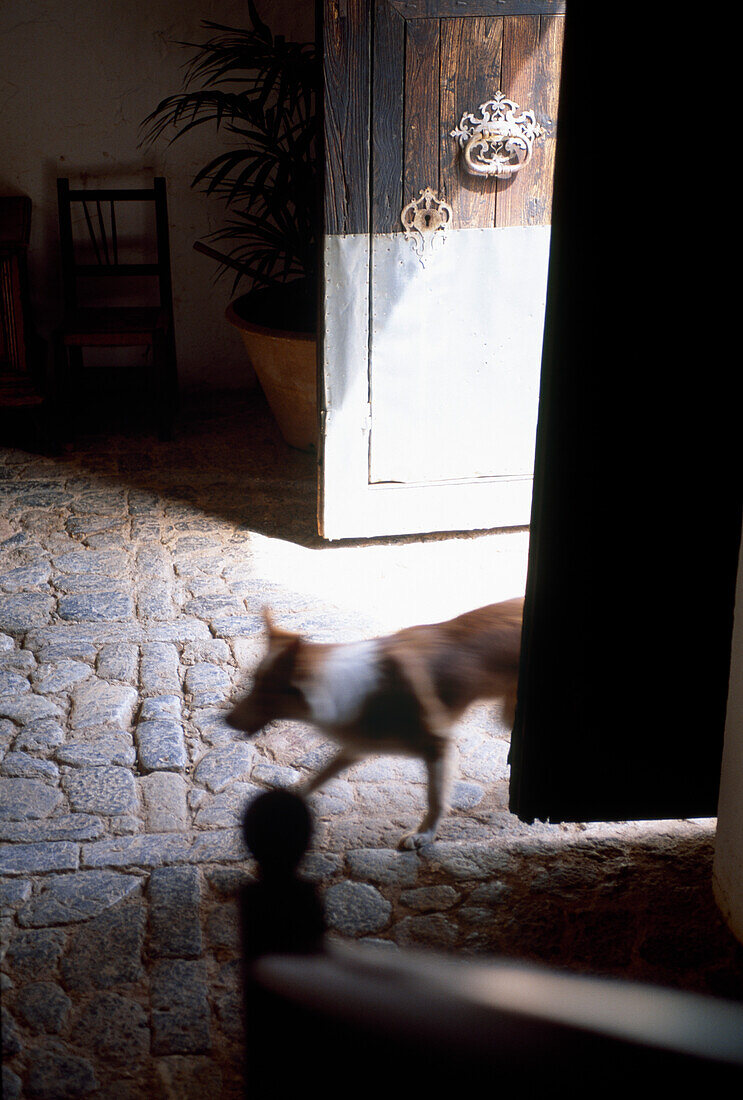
(275, 633)
(283, 645)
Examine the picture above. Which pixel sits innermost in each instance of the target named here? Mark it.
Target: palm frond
(260, 91)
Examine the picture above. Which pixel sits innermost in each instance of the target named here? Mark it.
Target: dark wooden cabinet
(21, 381)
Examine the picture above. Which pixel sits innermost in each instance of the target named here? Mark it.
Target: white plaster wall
(728, 866)
(77, 77)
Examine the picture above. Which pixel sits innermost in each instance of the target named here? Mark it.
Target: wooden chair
(100, 283)
(22, 352)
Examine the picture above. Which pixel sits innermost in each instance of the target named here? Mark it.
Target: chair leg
(173, 372)
(46, 429)
(163, 401)
(62, 390)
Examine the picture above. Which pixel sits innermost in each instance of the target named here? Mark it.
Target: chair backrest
(93, 246)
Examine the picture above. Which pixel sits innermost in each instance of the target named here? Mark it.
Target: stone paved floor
(132, 575)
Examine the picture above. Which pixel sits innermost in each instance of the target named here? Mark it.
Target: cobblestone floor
(132, 575)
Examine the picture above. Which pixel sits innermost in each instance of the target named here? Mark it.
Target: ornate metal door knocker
(500, 141)
(425, 220)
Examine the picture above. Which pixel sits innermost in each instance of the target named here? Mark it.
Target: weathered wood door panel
(430, 367)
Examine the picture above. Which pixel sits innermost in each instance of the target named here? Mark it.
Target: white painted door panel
(455, 354)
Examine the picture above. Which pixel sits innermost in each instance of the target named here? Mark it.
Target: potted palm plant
(260, 91)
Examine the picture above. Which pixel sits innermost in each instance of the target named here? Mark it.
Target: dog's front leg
(438, 767)
(436, 726)
(342, 760)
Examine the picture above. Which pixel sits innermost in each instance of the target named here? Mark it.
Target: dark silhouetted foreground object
(280, 913)
(422, 1020)
(110, 259)
(637, 484)
(280, 917)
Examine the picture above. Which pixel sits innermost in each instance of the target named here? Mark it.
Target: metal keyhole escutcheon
(425, 220)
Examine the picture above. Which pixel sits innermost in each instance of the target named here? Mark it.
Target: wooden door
(431, 344)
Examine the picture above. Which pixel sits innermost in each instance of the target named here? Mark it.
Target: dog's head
(274, 693)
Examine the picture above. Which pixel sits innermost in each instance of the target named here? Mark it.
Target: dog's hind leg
(508, 709)
(439, 769)
(437, 751)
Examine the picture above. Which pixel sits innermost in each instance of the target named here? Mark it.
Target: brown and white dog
(401, 693)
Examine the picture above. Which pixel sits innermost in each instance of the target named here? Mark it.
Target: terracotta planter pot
(286, 366)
